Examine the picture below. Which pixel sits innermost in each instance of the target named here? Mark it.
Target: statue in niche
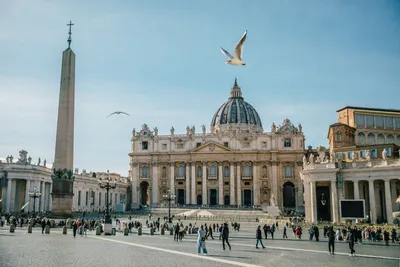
(172, 130)
(155, 131)
(29, 160)
(333, 159)
(368, 155)
(203, 128)
(353, 156)
(133, 132)
(384, 154)
(273, 128)
(39, 162)
(311, 158)
(300, 128)
(304, 160)
(44, 163)
(272, 200)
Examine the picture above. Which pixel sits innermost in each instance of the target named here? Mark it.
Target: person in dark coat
(176, 236)
(43, 225)
(316, 233)
(331, 240)
(351, 240)
(74, 227)
(225, 236)
(265, 228)
(259, 237)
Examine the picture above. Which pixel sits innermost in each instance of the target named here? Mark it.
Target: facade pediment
(211, 147)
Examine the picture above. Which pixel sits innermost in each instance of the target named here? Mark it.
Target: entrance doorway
(213, 196)
(227, 200)
(289, 197)
(181, 197)
(247, 197)
(144, 193)
(199, 200)
(323, 203)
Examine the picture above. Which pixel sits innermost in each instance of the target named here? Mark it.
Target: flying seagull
(118, 112)
(237, 59)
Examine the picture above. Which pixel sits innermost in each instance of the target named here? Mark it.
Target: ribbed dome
(236, 111)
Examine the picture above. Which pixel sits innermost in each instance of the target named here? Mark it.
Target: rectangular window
(389, 122)
(179, 145)
(370, 120)
(226, 183)
(145, 145)
(245, 144)
(287, 142)
(379, 121)
(199, 183)
(397, 123)
(79, 198)
(99, 199)
(180, 183)
(226, 144)
(264, 144)
(164, 146)
(362, 154)
(246, 183)
(87, 198)
(338, 137)
(388, 151)
(350, 155)
(373, 153)
(360, 120)
(198, 144)
(116, 199)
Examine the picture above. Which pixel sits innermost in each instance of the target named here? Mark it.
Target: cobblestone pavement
(23, 249)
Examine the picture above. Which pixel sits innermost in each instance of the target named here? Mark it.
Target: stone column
(388, 202)
(220, 184)
(313, 194)
(356, 189)
(172, 178)
(42, 196)
(12, 195)
(51, 197)
(27, 188)
(232, 184)
(334, 202)
(134, 198)
(256, 187)
(372, 201)
(275, 181)
(239, 185)
(9, 193)
(155, 185)
(204, 184)
(187, 180)
(307, 201)
(194, 196)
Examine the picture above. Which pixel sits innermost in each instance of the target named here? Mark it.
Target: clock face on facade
(144, 133)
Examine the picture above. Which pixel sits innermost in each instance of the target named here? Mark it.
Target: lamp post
(169, 196)
(34, 194)
(107, 185)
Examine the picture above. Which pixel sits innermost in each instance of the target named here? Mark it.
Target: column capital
(134, 164)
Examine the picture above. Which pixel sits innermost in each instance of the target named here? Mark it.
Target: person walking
(201, 241)
(265, 228)
(74, 227)
(285, 232)
(259, 237)
(351, 240)
(331, 240)
(176, 236)
(225, 236)
(210, 232)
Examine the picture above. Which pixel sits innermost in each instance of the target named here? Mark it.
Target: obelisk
(62, 189)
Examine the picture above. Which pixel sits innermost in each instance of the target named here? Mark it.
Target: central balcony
(179, 177)
(212, 177)
(247, 177)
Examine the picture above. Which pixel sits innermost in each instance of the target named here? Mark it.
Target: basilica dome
(236, 113)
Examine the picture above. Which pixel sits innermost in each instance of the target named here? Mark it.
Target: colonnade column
(239, 185)
(256, 187)
(307, 201)
(313, 194)
(220, 184)
(42, 196)
(51, 197)
(172, 178)
(232, 184)
(334, 201)
(194, 183)
(134, 198)
(187, 180)
(27, 188)
(155, 186)
(372, 206)
(9, 193)
(356, 189)
(388, 200)
(204, 184)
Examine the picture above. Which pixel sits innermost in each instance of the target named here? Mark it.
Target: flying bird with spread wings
(237, 59)
(117, 113)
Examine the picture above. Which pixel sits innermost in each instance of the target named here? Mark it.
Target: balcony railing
(179, 177)
(212, 177)
(247, 177)
(143, 177)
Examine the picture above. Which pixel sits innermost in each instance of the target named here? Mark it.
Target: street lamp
(169, 196)
(34, 194)
(107, 185)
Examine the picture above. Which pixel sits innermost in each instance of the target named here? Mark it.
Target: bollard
(98, 230)
(47, 229)
(171, 231)
(114, 231)
(139, 231)
(162, 231)
(12, 228)
(126, 231)
(64, 230)
(152, 231)
(29, 229)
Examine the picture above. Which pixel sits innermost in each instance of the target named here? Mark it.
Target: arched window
(199, 171)
(213, 171)
(381, 139)
(226, 171)
(164, 172)
(390, 139)
(361, 138)
(288, 171)
(181, 171)
(246, 170)
(144, 171)
(371, 139)
(264, 171)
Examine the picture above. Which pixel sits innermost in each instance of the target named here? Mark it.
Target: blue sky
(160, 62)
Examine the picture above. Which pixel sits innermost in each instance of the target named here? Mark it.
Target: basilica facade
(234, 163)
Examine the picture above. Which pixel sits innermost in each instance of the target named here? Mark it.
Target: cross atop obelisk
(70, 24)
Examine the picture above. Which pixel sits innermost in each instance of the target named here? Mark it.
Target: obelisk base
(61, 206)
